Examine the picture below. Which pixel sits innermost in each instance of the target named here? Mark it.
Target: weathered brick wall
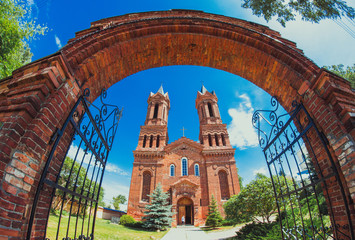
(37, 98)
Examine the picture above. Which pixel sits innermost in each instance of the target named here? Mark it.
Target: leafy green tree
(158, 214)
(17, 29)
(76, 179)
(214, 218)
(346, 72)
(257, 199)
(312, 11)
(116, 201)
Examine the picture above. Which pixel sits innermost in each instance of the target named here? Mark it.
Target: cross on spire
(183, 131)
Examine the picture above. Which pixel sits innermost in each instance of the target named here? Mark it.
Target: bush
(138, 224)
(228, 222)
(127, 219)
(258, 231)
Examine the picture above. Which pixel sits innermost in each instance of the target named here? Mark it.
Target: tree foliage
(257, 199)
(158, 214)
(214, 218)
(346, 72)
(116, 201)
(17, 29)
(312, 11)
(76, 178)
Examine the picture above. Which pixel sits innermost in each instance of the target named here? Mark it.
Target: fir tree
(158, 214)
(214, 218)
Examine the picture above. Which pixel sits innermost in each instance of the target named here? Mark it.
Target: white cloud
(73, 151)
(115, 169)
(57, 41)
(110, 167)
(241, 131)
(260, 170)
(112, 189)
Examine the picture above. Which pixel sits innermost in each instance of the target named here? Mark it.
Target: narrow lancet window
(216, 138)
(172, 170)
(144, 141)
(184, 167)
(156, 108)
(209, 139)
(210, 109)
(223, 140)
(197, 170)
(158, 141)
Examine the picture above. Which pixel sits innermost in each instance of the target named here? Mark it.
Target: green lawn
(103, 230)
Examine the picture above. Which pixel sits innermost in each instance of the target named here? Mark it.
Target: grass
(103, 230)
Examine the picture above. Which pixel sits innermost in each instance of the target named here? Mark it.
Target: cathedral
(191, 172)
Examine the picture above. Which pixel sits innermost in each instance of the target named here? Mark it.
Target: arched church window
(146, 186)
(144, 141)
(223, 185)
(216, 138)
(156, 107)
(172, 170)
(151, 141)
(197, 170)
(209, 139)
(184, 171)
(158, 141)
(223, 140)
(210, 110)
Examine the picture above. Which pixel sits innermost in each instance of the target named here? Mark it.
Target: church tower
(213, 133)
(154, 133)
(190, 171)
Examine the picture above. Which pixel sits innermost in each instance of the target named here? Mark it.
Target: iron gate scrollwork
(302, 172)
(74, 183)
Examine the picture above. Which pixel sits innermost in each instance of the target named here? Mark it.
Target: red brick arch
(36, 99)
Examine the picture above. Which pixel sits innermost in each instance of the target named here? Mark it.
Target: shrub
(138, 224)
(228, 222)
(258, 231)
(127, 219)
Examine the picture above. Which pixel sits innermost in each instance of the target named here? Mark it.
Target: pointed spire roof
(203, 89)
(161, 90)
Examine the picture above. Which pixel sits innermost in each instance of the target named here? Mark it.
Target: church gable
(184, 144)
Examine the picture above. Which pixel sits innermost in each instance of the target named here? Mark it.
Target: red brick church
(191, 172)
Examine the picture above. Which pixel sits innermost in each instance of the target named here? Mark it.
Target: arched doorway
(37, 98)
(185, 208)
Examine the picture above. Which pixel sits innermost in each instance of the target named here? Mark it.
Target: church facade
(191, 172)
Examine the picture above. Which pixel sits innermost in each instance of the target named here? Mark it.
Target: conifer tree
(214, 218)
(158, 214)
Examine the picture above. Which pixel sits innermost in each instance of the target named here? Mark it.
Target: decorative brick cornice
(218, 151)
(148, 154)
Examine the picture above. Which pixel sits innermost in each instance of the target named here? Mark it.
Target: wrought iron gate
(301, 170)
(75, 189)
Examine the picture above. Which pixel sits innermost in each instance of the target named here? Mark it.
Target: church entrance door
(185, 209)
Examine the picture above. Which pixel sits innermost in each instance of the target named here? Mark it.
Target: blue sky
(325, 43)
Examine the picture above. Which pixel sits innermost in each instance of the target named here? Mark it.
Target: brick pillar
(33, 103)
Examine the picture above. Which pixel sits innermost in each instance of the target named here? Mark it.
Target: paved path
(195, 233)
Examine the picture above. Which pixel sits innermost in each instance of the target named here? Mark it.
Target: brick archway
(36, 99)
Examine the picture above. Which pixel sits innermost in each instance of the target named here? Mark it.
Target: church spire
(203, 89)
(161, 90)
